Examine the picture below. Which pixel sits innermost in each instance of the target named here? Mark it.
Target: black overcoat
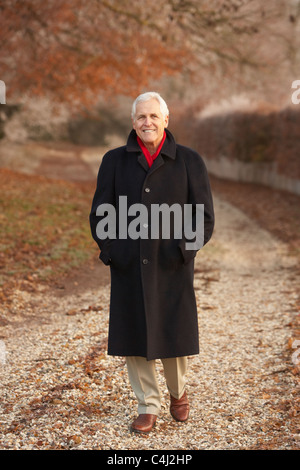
(153, 310)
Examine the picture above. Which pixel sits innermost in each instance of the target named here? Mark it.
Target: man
(153, 312)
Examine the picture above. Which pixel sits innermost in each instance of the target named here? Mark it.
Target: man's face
(149, 123)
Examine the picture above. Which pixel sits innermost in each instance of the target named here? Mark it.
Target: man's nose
(148, 121)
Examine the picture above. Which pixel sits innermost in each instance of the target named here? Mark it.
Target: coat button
(147, 190)
(145, 261)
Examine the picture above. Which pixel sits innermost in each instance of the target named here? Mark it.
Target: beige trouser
(142, 376)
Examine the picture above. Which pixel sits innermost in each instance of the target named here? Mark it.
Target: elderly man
(153, 313)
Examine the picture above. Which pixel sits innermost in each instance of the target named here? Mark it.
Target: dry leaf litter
(60, 390)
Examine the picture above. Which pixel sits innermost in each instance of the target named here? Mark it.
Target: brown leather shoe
(179, 409)
(143, 423)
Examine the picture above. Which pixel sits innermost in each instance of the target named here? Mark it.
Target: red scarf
(150, 158)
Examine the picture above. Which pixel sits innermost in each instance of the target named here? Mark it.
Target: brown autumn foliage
(258, 136)
(76, 51)
(44, 230)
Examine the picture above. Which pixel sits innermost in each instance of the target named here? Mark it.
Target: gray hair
(148, 96)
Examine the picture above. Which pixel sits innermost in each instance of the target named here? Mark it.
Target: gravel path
(59, 389)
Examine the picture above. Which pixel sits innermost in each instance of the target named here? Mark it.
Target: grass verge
(44, 228)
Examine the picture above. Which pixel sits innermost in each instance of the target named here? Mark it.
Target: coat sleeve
(104, 194)
(199, 193)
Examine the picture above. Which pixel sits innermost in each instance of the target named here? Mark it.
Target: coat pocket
(170, 256)
(123, 253)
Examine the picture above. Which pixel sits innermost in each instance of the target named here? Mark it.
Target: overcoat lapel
(143, 162)
(158, 162)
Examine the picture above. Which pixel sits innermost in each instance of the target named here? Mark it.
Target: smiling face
(149, 123)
